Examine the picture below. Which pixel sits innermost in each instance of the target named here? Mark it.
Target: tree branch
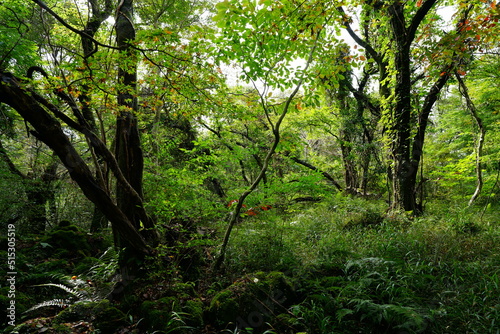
(419, 17)
(364, 44)
(326, 175)
(49, 130)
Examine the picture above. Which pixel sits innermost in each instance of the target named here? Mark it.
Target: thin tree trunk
(93, 24)
(480, 139)
(277, 136)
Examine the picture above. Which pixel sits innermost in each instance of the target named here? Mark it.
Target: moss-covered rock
(224, 307)
(193, 309)
(173, 313)
(157, 314)
(67, 240)
(182, 290)
(52, 266)
(104, 316)
(364, 219)
(6, 296)
(251, 301)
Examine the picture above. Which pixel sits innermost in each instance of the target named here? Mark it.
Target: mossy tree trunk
(128, 149)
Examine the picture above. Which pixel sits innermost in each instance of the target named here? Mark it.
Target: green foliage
(354, 267)
(263, 39)
(261, 245)
(18, 45)
(403, 274)
(251, 301)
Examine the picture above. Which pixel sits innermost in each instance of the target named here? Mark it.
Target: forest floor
(339, 266)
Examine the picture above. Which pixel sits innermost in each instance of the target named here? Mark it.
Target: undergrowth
(359, 268)
(344, 265)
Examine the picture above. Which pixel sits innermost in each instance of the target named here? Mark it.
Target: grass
(439, 273)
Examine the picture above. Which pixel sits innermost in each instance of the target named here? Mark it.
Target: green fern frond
(109, 255)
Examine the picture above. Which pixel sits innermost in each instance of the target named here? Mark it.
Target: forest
(250, 166)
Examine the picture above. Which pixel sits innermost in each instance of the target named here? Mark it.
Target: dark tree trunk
(404, 170)
(39, 191)
(128, 149)
(36, 212)
(48, 129)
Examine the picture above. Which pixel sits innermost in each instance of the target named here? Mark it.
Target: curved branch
(462, 87)
(419, 17)
(326, 175)
(361, 42)
(76, 31)
(10, 164)
(49, 130)
(95, 142)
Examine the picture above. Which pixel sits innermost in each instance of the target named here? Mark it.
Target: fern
(81, 289)
(80, 294)
(106, 267)
(400, 317)
(54, 302)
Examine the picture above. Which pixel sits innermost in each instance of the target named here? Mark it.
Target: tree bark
(98, 16)
(128, 149)
(404, 171)
(49, 130)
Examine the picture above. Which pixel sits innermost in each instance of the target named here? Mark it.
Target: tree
(459, 151)
(263, 39)
(39, 189)
(408, 93)
(93, 87)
